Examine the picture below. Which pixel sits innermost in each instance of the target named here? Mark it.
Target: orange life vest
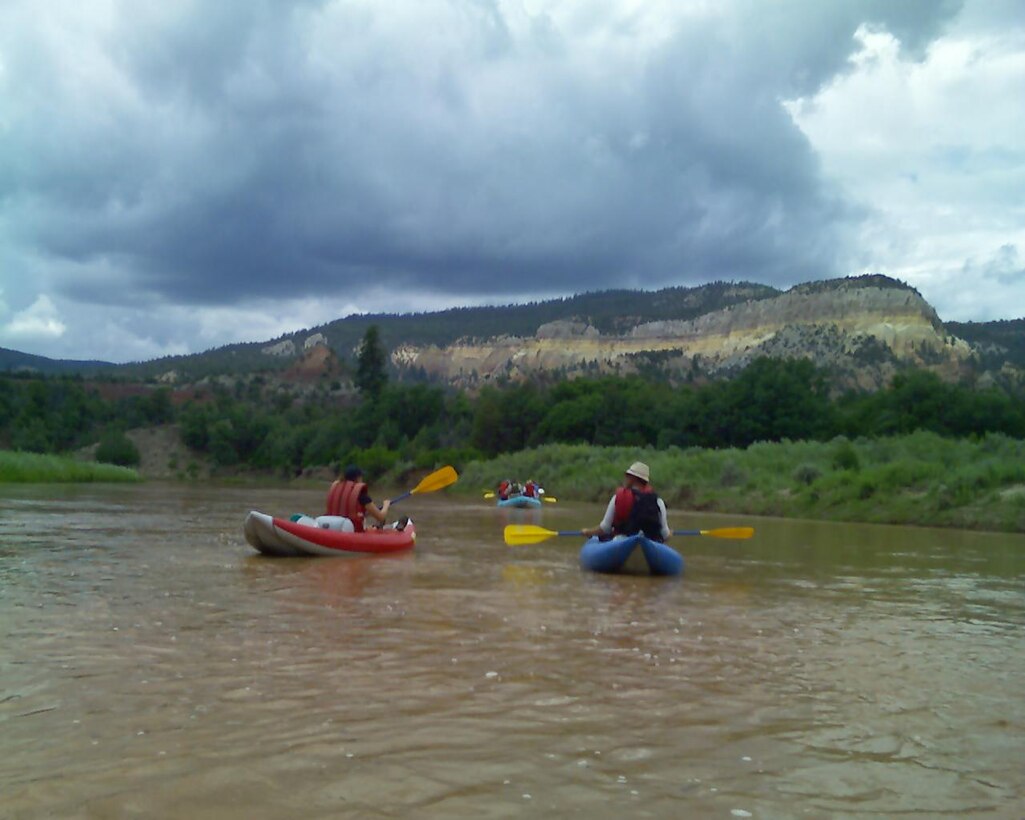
(343, 499)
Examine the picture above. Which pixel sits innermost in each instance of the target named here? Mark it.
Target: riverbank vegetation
(265, 425)
(921, 478)
(776, 438)
(19, 467)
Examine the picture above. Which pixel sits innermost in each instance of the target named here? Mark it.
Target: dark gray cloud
(212, 152)
(1005, 266)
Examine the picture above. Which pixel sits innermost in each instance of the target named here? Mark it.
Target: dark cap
(352, 472)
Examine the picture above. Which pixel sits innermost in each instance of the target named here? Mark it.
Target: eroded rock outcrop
(863, 329)
(318, 362)
(567, 329)
(284, 349)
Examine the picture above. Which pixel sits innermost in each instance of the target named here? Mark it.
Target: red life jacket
(343, 499)
(503, 490)
(530, 489)
(624, 506)
(624, 503)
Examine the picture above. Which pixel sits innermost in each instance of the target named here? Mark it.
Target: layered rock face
(318, 361)
(863, 329)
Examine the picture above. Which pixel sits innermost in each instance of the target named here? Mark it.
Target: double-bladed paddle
(517, 535)
(437, 480)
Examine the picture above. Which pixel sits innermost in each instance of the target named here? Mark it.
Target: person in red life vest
(348, 497)
(503, 489)
(532, 489)
(634, 508)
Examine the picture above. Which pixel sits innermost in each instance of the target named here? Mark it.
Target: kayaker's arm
(664, 520)
(378, 514)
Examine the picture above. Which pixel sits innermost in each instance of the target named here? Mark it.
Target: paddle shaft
(674, 532)
(523, 534)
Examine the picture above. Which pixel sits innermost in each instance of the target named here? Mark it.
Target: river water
(153, 665)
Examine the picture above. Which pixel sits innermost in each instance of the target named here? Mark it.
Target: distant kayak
(630, 554)
(524, 501)
(283, 538)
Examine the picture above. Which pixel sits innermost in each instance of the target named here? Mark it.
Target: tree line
(262, 424)
(770, 400)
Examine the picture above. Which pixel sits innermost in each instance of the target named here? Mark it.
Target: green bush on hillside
(117, 448)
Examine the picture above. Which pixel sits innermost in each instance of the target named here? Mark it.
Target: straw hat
(639, 470)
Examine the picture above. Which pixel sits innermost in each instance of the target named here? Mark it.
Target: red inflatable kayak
(281, 537)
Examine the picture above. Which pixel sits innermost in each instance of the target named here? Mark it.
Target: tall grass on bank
(18, 467)
(921, 478)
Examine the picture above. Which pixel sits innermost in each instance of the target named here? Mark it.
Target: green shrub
(731, 475)
(908, 475)
(845, 457)
(806, 473)
(866, 489)
(997, 444)
(117, 448)
(374, 461)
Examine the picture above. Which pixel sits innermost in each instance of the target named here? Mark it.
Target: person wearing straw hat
(634, 508)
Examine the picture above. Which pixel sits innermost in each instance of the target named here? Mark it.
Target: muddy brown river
(153, 665)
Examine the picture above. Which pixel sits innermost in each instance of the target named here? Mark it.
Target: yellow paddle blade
(489, 494)
(516, 535)
(549, 499)
(437, 480)
(730, 532)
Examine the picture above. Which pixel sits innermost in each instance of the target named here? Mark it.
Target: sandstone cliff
(318, 362)
(862, 328)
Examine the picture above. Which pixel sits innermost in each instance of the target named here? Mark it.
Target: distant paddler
(532, 489)
(503, 488)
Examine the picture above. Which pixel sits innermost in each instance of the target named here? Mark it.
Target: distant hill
(997, 342)
(860, 329)
(13, 361)
(610, 311)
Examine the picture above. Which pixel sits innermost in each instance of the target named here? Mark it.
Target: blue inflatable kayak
(631, 553)
(520, 501)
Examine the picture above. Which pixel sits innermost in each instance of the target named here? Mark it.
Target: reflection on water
(151, 664)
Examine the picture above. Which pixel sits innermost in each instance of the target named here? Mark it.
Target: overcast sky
(176, 176)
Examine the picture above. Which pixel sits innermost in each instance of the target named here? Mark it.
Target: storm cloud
(164, 159)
